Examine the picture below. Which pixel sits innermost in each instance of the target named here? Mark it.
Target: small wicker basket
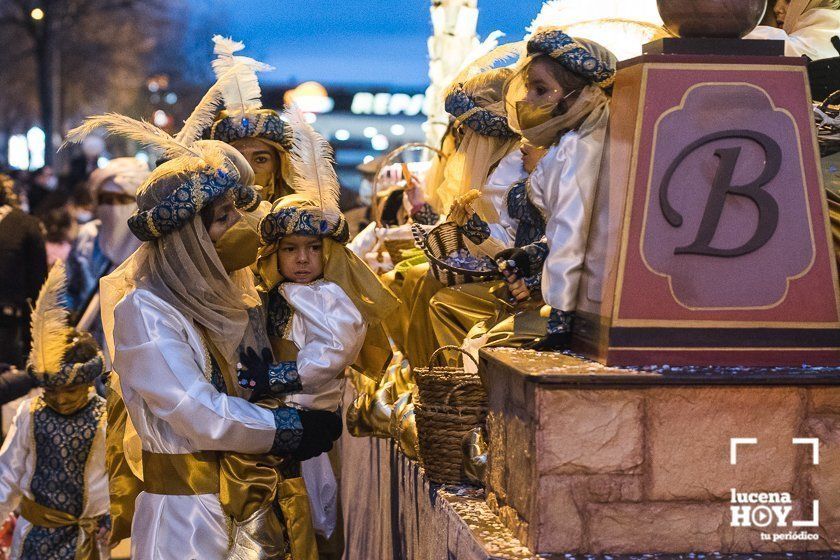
(439, 243)
(451, 404)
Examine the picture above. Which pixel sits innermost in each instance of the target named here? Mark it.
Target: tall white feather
(49, 323)
(486, 46)
(204, 113)
(504, 53)
(242, 93)
(139, 131)
(313, 165)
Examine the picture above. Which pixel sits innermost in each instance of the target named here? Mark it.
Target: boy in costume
(52, 464)
(325, 307)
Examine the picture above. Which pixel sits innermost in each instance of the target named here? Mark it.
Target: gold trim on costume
(186, 474)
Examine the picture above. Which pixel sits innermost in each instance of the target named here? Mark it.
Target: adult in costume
(258, 133)
(174, 321)
(52, 464)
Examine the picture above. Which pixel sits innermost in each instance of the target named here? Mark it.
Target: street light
(37, 14)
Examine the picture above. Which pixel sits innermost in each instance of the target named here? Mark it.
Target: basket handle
(451, 347)
(460, 385)
(419, 237)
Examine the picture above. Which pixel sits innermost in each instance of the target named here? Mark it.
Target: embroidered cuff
(476, 229)
(537, 253)
(283, 378)
(425, 215)
(560, 322)
(534, 283)
(289, 432)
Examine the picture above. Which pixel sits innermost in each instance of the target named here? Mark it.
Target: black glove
(514, 258)
(320, 430)
(253, 374)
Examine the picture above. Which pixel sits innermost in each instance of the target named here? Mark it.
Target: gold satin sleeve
(123, 485)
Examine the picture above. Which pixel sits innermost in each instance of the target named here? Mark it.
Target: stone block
(496, 456)
(589, 431)
(689, 431)
(661, 527)
(824, 400)
(559, 523)
(520, 479)
(825, 477)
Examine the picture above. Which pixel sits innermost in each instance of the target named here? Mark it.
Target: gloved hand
(252, 372)
(320, 429)
(516, 259)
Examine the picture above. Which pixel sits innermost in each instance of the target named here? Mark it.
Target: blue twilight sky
(346, 41)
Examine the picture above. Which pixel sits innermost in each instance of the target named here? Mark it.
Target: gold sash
(50, 518)
(188, 474)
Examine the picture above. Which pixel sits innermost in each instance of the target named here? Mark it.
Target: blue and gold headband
(70, 375)
(297, 220)
(467, 111)
(181, 205)
(261, 123)
(583, 57)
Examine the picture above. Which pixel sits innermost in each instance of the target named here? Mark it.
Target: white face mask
(115, 239)
(84, 216)
(51, 183)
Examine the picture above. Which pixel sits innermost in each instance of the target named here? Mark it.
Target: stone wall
(612, 467)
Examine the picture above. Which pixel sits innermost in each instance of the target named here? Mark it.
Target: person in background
(61, 231)
(806, 27)
(43, 189)
(104, 243)
(14, 383)
(23, 268)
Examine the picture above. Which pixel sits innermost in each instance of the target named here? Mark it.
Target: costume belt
(44, 516)
(187, 474)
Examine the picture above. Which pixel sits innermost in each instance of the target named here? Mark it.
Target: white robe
(563, 188)
(160, 359)
(329, 331)
(508, 172)
(811, 36)
(17, 466)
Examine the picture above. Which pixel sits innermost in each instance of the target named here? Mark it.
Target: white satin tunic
(563, 188)
(811, 36)
(329, 332)
(160, 359)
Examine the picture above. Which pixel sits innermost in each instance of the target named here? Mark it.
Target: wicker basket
(451, 404)
(439, 243)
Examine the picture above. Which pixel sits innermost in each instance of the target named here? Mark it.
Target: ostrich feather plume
(313, 164)
(49, 323)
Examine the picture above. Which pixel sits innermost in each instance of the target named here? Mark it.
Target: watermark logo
(771, 509)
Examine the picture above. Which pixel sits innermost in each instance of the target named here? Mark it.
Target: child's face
(301, 258)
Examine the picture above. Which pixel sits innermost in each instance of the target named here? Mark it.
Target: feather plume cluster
(140, 131)
(313, 165)
(242, 92)
(50, 332)
(621, 26)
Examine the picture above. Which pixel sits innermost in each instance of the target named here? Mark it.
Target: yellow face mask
(529, 115)
(67, 401)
